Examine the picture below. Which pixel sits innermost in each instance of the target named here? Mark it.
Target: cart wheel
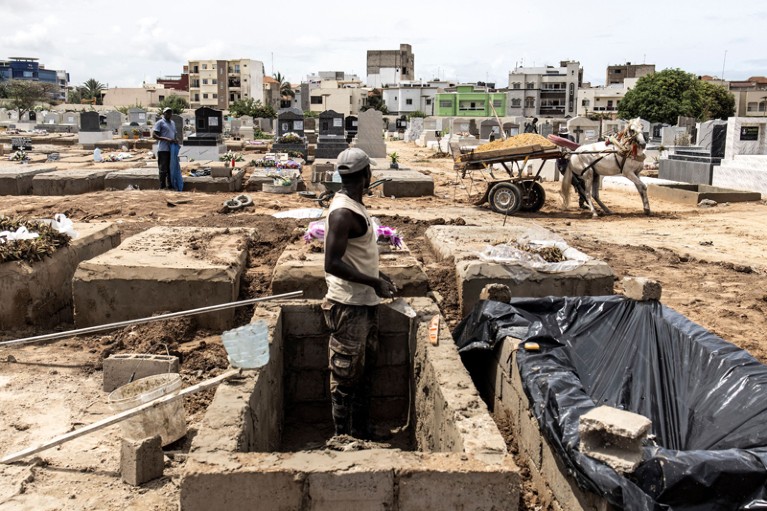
(324, 199)
(533, 196)
(505, 198)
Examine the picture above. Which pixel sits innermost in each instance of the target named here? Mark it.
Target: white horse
(620, 154)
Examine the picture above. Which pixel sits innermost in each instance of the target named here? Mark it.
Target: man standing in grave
(165, 133)
(355, 288)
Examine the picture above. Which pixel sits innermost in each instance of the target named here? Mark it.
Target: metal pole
(110, 326)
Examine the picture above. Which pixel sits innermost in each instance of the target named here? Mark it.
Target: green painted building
(468, 101)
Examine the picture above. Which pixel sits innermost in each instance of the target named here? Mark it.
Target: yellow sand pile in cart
(524, 140)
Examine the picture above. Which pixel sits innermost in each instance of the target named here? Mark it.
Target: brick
(641, 289)
(141, 461)
(369, 490)
(118, 369)
(614, 436)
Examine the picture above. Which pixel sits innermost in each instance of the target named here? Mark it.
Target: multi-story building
(409, 97)
(26, 68)
(603, 99)
(616, 74)
(544, 91)
(386, 67)
(314, 81)
(178, 82)
(150, 95)
(217, 83)
(346, 100)
(470, 100)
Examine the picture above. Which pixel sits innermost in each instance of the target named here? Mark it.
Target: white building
(386, 67)
(151, 94)
(603, 99)
(217, 83)
(408, 97)
(345, 99)
(544, 91)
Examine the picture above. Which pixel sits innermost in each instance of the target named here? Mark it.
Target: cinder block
(530, 438)
(123, 368)
(371, 490)
(391, 381)
(511, 402)
(613, 436)
(563, 487)
(307, 385)
(142, 460)
(304, 321)
(308, 352)
(393, 349)
(202, 490)
(641, 288)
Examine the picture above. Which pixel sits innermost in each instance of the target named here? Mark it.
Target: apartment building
(544, 91)
(329, 95)
(217, 83)
(408, 97)
(386, 67)
(470, 100)
(603, 99)
(618, 73)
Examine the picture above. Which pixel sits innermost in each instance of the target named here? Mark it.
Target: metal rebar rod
(110, 326)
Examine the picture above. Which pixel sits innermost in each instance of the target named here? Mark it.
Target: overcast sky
(126, 43)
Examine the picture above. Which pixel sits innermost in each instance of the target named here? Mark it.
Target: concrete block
(563, 487)
(370, 489)
(16, 179)
(391, 381)
(141, 461)
(387, 408)
(126, 367)
(143, 178)
(307, 385)
(496, 292)
(211, 184)
(530, 438)
(308, 352)
(405, 183)
(393, 349)
(302, 321)
(613, 436)
(641, 288)
(69, 182)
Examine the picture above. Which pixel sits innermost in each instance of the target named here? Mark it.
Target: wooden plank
(114, 419)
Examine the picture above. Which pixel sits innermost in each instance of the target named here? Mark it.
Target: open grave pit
(263, 437)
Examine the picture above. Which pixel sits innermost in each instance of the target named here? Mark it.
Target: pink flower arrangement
(316, 231)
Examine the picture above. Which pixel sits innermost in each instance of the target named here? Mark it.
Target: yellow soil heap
(526, 139)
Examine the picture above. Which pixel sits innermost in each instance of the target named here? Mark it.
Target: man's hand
(385, 288)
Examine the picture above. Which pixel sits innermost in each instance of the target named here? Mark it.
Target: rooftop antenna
(272, 63)
(723, 62)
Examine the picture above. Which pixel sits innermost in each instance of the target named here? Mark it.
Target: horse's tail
(564, 192)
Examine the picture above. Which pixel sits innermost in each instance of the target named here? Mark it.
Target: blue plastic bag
(176, 181)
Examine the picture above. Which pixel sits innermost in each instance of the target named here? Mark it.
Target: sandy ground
(710, 262)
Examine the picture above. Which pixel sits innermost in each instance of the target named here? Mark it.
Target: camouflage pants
(352, 357)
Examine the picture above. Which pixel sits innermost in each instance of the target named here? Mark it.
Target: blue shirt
(167, 129)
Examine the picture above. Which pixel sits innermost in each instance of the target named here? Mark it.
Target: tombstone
(414, 129)
(32, 116)
(179, 122)
(488, 128)
(115, 119)
(331, 140)
(369, 136)
(137, 115)
(656, 131)
(71, 118)
(401, 124)
(290, 120)
(473, 131)
(310, 124)
(584, 130)
(545, 129)
(351, 126)
(89, 122)
(460, 126)
(674, 136)
(264, 124)
(52, 118)
(511, 129)
(234, 127)
(206, 143)
(429, 132)
(712, 137)
(246, 120)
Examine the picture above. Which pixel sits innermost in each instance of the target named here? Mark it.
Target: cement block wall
(475, 473)
(501, 385)
(40, 293)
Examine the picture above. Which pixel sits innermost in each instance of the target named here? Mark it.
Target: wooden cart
(515, 193)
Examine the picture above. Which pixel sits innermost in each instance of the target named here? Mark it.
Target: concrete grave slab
(300, 268)
(239, 455)
(694, 193)
(145, 178)
(464, 244)
(17, 179)
(257, 179)
(40, 293)
(69, 182)
(405, 183)
(210, 184)
(163, 269)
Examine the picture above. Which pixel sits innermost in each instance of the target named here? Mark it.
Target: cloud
(34, 36)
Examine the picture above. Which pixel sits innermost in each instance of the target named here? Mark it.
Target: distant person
(532, 127)
(165, 133)
(578, 183)
(355, 288)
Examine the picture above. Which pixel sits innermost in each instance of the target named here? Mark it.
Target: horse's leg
(595, 194)
(588, 178)
(564, 191)
(633, 176)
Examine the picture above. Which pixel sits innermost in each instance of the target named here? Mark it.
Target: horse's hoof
(647, 212)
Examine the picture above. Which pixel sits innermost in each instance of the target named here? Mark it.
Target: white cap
(352, 160)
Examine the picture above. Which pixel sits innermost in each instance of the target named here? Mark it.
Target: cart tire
(505, 198)
(324, 199)
(533, 196)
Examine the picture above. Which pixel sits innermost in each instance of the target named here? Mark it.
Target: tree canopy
(251, 107)
(175, 103)
(664, 96)
(22, 95)
(285, 88)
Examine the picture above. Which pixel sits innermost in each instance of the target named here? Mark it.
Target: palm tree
(92, 89)
(285, 88)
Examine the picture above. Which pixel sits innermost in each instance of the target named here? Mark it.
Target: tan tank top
(361, 254)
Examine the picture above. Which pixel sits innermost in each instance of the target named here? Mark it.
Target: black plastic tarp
(707, 399)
